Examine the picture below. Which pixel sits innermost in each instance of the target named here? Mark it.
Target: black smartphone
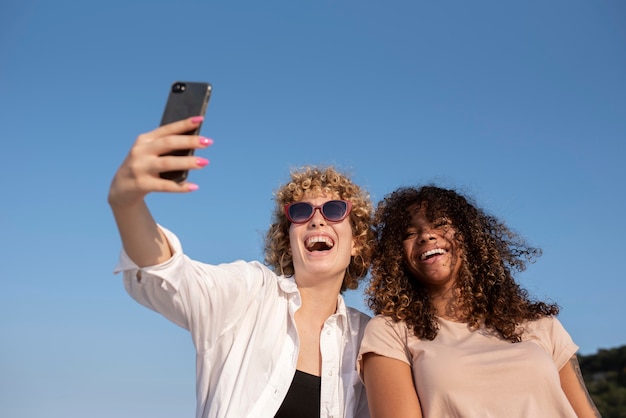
(186, 99)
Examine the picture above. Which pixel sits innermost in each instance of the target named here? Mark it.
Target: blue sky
(520, 104)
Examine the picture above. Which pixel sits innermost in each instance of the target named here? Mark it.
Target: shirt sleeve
(202, 298)
(550, 334)
(385, 338)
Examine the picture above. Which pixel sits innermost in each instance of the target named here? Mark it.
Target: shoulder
(386, 321)
(235, 278)
(356, 316)
(250, 266)
(249, 269)
(550, 334)
(386, 338)
(543, 326)
(384, 325)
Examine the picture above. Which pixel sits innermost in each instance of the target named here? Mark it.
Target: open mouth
(432, 253)
(319, 243)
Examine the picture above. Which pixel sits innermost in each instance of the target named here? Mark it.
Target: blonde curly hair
(327, 180)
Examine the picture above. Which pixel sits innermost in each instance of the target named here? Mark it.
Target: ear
(354, 247)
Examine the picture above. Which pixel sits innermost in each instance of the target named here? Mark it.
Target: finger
(178, 163)
(178, 128)
(173, 136)
(169, 186)
(153, 183)
(170, 143)
(130, 186)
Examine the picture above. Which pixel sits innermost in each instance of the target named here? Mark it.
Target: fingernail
(197, 119)
(202, 162)
(192, 187)
(205, 141)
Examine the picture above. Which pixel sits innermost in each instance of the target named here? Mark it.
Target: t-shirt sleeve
(385, 338)
(550, 334)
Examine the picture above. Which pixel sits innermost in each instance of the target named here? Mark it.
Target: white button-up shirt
(241, 319)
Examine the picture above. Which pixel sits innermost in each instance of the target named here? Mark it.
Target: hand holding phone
(186, 99)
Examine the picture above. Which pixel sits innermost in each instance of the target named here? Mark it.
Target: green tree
(605, 378)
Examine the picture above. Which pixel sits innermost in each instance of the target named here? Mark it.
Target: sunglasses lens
(334, 210)
(300, 212)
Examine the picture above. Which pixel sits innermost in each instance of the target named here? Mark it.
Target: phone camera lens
(178, 87)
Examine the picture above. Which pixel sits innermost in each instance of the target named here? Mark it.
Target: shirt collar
(288, 285)
(342, 311)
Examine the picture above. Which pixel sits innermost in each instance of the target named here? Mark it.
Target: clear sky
(520, 104)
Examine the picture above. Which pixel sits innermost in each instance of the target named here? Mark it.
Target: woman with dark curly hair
(273, 339)
(454, 334)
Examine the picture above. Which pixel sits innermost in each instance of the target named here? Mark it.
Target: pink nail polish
(205, 141)
(197, 119)
(202, 162)
(192, 187)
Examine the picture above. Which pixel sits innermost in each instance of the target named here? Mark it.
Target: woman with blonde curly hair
(273, 339)
(454, 334)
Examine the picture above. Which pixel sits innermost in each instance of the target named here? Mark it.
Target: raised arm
(139, 175)
(390, 389)
(574, 387)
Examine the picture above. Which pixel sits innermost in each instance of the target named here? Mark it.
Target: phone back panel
(186, 99)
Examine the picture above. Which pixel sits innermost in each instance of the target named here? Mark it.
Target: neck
(445, 302)
(319, 303)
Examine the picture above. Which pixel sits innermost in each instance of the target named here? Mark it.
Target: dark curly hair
(330, 181)
(490, 252)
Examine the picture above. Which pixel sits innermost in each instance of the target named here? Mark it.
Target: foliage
(605, 378)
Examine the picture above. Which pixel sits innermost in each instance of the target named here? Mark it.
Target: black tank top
(303, 397)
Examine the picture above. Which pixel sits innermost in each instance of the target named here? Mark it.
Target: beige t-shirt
(476, 374)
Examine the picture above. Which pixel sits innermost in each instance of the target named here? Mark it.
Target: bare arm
(390, 389)
(574, 387)
(139, 175)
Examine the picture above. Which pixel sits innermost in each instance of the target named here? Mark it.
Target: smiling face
(321, 249)
(431, 252)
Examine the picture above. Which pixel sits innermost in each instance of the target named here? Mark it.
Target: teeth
(432, 252)
(310, 242)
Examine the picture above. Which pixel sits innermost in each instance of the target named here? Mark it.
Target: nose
(317, 218)
(427, 235)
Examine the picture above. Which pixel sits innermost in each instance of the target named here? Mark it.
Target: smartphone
(186, 99)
